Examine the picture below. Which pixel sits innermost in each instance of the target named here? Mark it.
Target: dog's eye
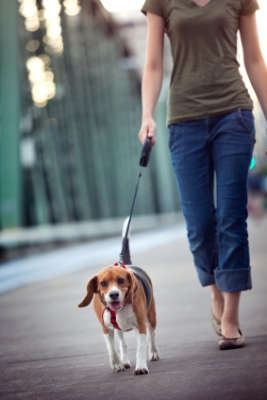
(104, 284)
(121, 281)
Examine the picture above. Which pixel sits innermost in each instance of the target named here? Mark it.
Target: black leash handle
(143, 162)
(145, 153)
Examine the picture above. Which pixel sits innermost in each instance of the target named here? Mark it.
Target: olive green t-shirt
(205, 78)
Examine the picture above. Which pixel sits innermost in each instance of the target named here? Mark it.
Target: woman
(211, 130)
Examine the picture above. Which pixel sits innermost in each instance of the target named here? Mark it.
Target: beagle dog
(123, 300)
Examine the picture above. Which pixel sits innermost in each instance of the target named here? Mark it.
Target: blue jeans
(216, 150)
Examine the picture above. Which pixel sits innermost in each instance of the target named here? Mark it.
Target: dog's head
(114, 285)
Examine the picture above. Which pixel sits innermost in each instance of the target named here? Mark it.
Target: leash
(143, 162)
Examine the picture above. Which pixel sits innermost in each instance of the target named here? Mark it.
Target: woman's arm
(253, 59)
(152, 76)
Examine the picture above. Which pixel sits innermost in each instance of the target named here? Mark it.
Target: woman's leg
(233, 142)
(193, 167)
(226, 142)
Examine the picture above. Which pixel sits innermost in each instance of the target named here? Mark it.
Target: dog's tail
(126, 255)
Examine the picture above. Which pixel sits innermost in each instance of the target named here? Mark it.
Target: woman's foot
(224, 307)
(231, 343)
(229, 320)
(232, 337)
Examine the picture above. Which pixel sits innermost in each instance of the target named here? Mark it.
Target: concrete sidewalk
(50, 349)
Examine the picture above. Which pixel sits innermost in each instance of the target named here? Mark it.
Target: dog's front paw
(125, 361)
(141, 371)
(119, 367)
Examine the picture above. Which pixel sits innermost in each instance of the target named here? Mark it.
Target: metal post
(10, 179)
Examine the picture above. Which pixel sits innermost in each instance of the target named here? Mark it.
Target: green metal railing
(79, 147)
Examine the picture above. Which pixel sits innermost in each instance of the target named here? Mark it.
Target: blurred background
(70, 112)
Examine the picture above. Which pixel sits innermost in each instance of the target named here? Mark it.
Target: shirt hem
(196, 117)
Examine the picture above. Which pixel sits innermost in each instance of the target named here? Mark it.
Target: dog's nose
(114, 295)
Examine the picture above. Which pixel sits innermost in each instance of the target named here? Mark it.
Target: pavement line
(36, 268)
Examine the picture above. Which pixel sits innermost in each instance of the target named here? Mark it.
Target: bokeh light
(72, 7)
(41, 78)
(29, 10)
(33, 45)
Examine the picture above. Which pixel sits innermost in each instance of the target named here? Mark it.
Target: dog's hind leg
(114, 359)
(123, 350)
(153, 349)
(151, 326)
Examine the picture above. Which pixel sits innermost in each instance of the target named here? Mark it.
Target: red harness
(113, 319)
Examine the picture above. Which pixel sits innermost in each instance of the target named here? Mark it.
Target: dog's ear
(91, 290)
(133, 287)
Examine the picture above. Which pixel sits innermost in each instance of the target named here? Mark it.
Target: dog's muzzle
(113, 300)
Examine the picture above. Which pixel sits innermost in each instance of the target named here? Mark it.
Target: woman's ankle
(230, 320)
(230, 329)
(217, 302)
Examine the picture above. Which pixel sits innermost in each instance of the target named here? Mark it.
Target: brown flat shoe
(231, 343)
(216, 323)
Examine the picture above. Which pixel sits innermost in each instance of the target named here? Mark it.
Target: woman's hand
(148, 129)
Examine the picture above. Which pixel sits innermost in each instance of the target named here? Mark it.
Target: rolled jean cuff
(235, 280)
(205, 278)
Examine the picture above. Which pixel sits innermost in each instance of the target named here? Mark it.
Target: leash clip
(120, 263)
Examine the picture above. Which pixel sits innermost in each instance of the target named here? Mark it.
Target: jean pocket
(246, 118)
(173, 131)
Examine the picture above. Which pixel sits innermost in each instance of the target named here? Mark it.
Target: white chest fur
(126, 318)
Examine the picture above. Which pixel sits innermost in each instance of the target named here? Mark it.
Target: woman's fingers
(148, 129)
